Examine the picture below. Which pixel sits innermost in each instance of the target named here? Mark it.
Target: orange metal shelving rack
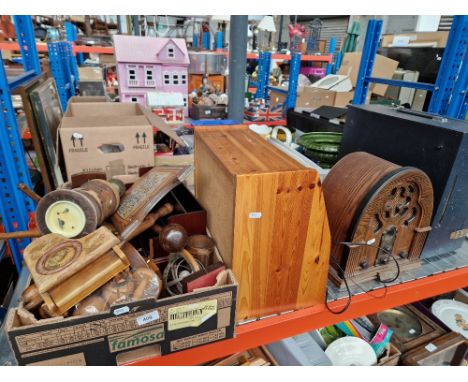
(42, 47)
(274, 328)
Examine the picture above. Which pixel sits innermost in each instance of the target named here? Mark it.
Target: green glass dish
(321, 147)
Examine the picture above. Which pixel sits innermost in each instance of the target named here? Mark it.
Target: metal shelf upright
(449, 96)
(71, 31)
(16, 207)
(294, 70)
(27, 46)
(64, 69)
(263, 77)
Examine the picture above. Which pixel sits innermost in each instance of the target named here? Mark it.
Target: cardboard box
(178, 160)
(128, 332)
(384, 67)
(87, 99)
(416, 39)
(310, 98)
(116, 138)
(90, 73)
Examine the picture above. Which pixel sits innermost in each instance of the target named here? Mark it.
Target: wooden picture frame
(24, 91)
(430, 330)
(450, 349)
(48, 114)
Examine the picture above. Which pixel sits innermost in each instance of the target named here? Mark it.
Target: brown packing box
(87, 99)
(90, 73)
(178, 160)
(439, 39)
(116, 138)
(310, 98)
(128, 332)
(384, 67)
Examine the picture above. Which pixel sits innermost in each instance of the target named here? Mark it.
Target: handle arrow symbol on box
(137, 136)
(144, 137)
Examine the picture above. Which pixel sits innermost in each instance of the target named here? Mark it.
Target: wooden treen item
(65, 271)
(267, 215)
(450, 349)
(79, 211)
(143, 195)
(383, 209)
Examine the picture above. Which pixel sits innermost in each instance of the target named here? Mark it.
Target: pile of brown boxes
(310, 97)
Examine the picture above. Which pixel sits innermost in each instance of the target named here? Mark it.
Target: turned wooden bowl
(201, 247)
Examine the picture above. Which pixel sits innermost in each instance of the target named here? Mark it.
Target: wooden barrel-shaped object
(375, 202)
(79, 211)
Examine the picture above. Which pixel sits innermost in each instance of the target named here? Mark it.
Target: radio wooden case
(379, 212)
(267, 215)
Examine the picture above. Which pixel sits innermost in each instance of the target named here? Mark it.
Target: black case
(436, 145)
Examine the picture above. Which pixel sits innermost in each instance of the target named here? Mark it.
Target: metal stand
(15, 207)
(450, 96)
(449, 92)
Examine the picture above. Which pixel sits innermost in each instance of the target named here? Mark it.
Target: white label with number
(149, 317)
(255, 215)
(122, 310)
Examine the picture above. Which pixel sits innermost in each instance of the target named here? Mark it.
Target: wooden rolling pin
(149, 221)
(26, 190)
(20, 234)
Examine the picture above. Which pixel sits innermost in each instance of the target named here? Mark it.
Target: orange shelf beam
(290, 324)
(42, 47)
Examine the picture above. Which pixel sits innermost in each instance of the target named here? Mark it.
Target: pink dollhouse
(149, 64)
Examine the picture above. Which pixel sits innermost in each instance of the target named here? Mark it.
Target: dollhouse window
(149, 79)
(185, 101)
(170, 51)
(175, 79)
(183, 79)
(167, 79)
(132, 76)
(134, 99)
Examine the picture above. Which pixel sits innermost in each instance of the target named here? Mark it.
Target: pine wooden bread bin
(267, 215)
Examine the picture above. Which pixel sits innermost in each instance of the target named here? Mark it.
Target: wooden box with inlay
(267, 215)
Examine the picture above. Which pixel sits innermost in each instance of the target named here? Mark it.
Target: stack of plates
(452, 313)
(351, 351)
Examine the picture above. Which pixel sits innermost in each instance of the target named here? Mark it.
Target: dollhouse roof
(145, 50)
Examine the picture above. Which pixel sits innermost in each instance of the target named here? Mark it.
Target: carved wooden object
(65, 271)
(79, 211)
(373, 201)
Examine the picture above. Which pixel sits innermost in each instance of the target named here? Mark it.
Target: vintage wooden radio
(435, 145)
(378, 212)
(267, 215)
